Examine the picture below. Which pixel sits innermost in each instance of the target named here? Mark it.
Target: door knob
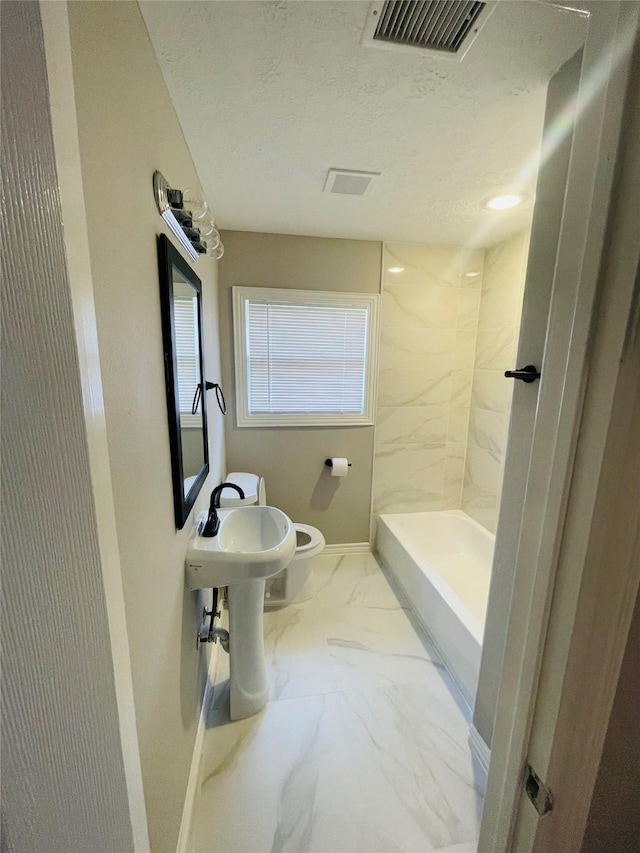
(527, 374)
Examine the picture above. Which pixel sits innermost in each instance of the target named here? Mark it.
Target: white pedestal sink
(252, 544)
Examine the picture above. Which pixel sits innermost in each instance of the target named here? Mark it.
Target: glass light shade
(198, 207)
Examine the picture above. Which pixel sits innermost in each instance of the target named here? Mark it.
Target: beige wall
(127, 129)
(292, 460)
(496, 347)
(429, 320)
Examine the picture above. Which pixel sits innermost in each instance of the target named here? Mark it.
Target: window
(304, 357)
(185, 321)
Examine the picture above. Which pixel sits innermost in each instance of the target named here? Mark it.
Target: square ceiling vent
(443, 28)
(349, 182)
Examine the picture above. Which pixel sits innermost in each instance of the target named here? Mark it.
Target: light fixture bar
(162, 192)
(176, 230)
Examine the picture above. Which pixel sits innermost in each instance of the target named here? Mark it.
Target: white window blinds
(185, 322)
(306, 356)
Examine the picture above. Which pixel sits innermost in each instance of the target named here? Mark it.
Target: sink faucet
(212, 524)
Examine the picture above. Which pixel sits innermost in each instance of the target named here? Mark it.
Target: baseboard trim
(479, 748)
(184, 844)
(346, 548)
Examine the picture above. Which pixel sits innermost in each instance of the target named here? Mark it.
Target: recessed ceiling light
(471, 274)
(504, 202)
(395, 269)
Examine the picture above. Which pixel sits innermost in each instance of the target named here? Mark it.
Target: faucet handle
(211, 525)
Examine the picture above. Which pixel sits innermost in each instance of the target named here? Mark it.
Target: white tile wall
(428, 342)
(496, 345)
(443, 401)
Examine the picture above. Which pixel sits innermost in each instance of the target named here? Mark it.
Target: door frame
(598, 573)
(600, 103)
(64, 126)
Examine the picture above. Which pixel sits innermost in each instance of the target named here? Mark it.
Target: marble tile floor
(362, 747)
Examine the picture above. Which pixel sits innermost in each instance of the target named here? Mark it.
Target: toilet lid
(249, 485)
(307, 537)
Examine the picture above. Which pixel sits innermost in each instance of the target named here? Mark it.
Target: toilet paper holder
(329, 463)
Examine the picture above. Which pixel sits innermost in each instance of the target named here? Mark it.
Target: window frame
(339, 299)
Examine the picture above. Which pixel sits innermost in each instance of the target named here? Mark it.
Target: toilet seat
(311, 547)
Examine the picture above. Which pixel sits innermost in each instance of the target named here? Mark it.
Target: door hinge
(537, 791)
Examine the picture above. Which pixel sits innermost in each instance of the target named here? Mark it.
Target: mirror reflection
(188, 378)
(181, 313)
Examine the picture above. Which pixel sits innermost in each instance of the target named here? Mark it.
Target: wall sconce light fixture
(189, 219)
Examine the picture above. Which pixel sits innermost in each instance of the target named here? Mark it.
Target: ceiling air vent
(349, 182)
(443, 27)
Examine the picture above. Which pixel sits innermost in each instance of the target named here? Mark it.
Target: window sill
(310, 422)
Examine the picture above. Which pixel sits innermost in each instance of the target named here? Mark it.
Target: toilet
(295, 583)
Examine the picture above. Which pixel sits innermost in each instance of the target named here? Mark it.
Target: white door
(546, 417)
(588, 685)
(552, 179)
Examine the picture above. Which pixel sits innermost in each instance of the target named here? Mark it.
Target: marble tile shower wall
(429, 324)
(497, 340)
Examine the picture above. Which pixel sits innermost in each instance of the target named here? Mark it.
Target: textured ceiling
(271, 95)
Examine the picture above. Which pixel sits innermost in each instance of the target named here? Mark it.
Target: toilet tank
(252, 486)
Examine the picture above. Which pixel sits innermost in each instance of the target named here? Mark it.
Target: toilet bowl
(295, 583)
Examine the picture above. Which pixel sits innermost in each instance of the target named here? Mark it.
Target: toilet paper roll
(339, 466)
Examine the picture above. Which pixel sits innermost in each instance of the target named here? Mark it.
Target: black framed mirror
(181, 309)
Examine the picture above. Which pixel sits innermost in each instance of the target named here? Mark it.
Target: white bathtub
(442, 561)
